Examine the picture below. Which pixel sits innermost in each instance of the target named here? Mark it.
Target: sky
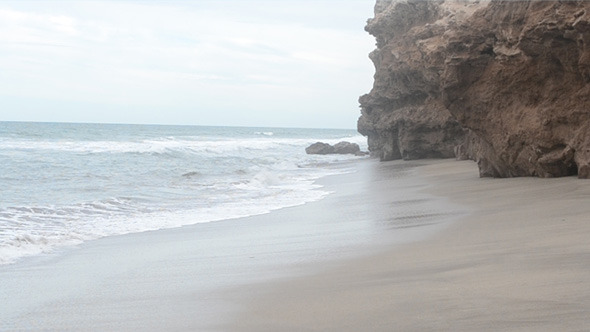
(266, 63)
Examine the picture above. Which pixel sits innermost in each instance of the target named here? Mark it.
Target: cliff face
(404, 115)
(504, 83)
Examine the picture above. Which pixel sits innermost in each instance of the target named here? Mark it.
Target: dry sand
(519, 262)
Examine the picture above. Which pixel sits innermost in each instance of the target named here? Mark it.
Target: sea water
(62, 184)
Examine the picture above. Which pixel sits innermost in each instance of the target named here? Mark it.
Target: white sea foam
(31, 231)
(265, 133)
(66, 226)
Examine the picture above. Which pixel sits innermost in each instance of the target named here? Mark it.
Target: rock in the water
(191, 174)
(506, 81)
(339, 148)
(346, 148)
(319, 148)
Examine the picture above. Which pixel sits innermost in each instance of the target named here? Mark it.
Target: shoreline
(518, 262)
(410, 246)
(179, 279)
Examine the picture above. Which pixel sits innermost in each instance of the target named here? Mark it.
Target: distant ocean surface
(63, 184)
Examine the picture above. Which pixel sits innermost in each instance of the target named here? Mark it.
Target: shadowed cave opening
(572, 170)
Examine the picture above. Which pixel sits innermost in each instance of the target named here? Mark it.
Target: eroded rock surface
(505, 83)
(404, 116)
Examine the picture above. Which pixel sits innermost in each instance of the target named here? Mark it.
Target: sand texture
(519, 262)
(397, 246)
(195, 278)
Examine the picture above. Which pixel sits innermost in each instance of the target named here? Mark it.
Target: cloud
(271, 54)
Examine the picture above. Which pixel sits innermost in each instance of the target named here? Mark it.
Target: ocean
(62, 184)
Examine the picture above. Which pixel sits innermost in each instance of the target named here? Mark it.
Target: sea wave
(77, 183)
(32, 230)
(265, 133)
(170, 145)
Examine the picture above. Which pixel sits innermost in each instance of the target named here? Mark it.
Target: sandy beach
(397, 246)
(185, 279)
(519, 262)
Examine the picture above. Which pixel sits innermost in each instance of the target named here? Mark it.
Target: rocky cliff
(506, 83)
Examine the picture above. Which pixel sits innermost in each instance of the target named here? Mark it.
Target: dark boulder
(339, 148)
(346, 148)
(319, 148)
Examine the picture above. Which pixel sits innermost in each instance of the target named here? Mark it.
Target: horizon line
(170, 124)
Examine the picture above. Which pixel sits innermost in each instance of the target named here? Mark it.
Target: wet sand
(519, 262)
(201, 277)
(398, 246)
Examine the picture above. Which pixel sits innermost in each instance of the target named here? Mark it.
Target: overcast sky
(285, 63)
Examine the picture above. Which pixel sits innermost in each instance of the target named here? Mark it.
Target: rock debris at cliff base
(505, 83)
